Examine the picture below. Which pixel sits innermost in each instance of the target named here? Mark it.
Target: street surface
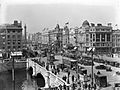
(111, 76)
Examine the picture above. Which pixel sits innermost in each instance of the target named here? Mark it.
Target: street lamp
(91, 50)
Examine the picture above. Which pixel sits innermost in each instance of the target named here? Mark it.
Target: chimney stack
(15, 22)
(92, 24)
(99, 24)
(109, 24)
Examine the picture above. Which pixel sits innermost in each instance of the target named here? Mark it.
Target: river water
(6, 80)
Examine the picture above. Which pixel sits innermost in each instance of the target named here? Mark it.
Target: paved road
(111, 76)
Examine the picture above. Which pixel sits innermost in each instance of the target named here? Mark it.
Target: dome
(85, 23)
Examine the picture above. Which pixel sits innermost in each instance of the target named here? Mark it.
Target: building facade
(66, 35)
(11, 36)
(116, 41)
(99, 37)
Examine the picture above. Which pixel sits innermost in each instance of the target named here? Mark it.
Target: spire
(25, 34)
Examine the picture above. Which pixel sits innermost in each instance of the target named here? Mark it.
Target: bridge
(50, 78)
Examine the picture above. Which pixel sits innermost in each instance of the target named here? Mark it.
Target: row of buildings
(103, 38)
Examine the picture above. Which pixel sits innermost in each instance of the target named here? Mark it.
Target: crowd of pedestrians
(76, 83)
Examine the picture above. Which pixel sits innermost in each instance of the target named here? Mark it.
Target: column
(100, 38)
(110, 37)
(105, 37)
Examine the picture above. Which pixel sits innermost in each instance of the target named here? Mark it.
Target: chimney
(109, 24)
(99, 24)
(92, 24)
(15, 22)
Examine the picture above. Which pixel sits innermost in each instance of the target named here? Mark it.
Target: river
(6, 80)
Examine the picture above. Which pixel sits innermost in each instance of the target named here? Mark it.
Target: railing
(54, 80)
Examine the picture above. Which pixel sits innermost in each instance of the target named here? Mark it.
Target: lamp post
(91, 50)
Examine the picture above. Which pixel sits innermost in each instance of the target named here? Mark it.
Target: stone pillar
(110, 37)
(105, 37)
(100, 38)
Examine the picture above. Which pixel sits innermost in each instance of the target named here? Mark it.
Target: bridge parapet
(54, 80)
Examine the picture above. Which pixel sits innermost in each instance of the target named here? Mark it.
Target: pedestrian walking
(68, 73)
(94, 86)
(73, 78)
(65, 77)
(58, 70)
(78, 76)
(73, 86)
(47, 67)
(98, 72)
(64, 86)
(60, 87)
(55, 72)
(53, 66)
(89, 87)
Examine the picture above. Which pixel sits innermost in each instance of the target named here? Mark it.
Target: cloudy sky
(41, 15)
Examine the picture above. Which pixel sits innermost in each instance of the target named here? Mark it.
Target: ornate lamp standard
(91, 50)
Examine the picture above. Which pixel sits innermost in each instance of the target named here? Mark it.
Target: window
(8, 36)
(102, 29)
(8, 31)
(97, 37)
(19, 36)
(91, 29)
(102, 37)
(8, 47)
(13, 42)
(97, 29)
(103, 44)
(13, 31)
(3, 37)
(13, 36)
(108, 37)
(93, 37)
(18, 31)
(87, 35)
(3, 42)
(90, 35)
(14, 47)
(97, 44)
(8, 42)
(19, 46)
(93, 44)
(87, 39)
(18, 42)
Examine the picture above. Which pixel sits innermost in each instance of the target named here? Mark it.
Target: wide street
(112, 77)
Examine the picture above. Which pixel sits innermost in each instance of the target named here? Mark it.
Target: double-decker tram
(69, 62)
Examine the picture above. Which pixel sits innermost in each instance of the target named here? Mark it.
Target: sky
(38, 15)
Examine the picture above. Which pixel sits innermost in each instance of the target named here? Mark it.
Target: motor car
(108, 69)
(102, 67)
(65, 69)
(87, 63)
(118, 73)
